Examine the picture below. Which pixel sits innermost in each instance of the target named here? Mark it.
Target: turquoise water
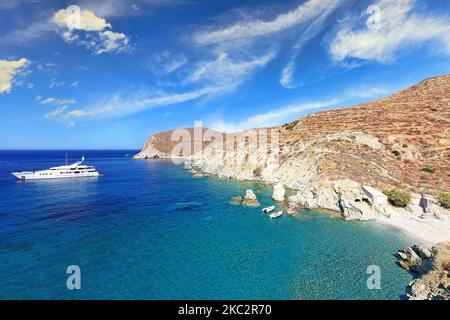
(148, 230)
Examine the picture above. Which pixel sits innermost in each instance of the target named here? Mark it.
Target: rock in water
(250, 199)
(236, 200)
(278, 192)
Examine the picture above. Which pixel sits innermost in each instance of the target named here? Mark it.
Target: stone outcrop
(161, 145)
(278, 192)
(250, 199)
(431, 269)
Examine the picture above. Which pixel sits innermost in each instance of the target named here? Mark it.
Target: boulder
(422, 252)
(236, 200)
(278, 192)
(401, 255)
(413, 257)
(250, 199)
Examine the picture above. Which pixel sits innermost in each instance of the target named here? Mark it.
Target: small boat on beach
(268, 209)
(276, 214)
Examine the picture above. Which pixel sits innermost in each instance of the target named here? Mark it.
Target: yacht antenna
(66, 158)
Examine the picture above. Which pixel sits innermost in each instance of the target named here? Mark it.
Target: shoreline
(426, 232)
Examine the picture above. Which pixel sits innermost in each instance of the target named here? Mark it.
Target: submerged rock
(236, 200)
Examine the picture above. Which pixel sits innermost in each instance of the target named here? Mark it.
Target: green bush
(444, 200)
(290, 126)
(398, 198)
(396, 153)
(405, 145)
(257, 171)
(428, 169)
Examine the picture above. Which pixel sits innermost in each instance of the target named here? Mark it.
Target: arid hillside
(403, 136)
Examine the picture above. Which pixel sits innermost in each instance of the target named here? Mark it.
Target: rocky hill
(401, 141)
(162, 144)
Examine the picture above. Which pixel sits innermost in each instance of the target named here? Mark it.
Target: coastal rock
(423, 252)
(278, 192)
(236, 200)
(432, 269)
(250, 199)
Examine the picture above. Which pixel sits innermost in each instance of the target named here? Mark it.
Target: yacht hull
(32, 176)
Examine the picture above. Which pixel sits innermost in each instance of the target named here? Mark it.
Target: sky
(108, 74)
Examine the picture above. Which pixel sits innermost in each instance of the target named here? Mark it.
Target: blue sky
(114, 72)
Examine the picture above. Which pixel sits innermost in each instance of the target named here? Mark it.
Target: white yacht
(74, 170)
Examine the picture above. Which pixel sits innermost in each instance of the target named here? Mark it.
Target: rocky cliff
(327, 156)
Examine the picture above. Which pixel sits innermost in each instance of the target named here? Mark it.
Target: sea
(146, 229)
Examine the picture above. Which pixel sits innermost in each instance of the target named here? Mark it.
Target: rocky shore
(431, 269)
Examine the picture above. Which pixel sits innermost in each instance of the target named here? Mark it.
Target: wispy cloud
(55, 83)
(56, 113)
(165, 62)
(287, 74)
(225, 72)
(118, 106)
(271, 118)
(280, 115)
(54, 101)
(400, 28)
(256, 28)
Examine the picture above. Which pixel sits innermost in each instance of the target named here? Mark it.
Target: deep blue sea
(148, 230)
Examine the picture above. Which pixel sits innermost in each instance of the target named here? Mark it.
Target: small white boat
(268, 209)
(276, 214)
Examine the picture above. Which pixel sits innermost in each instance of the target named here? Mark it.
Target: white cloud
(287, 74)
(271, 118)
(74, 84)
(281, 115)
(254, 28)
(8, 70)
(367, 92)
(57, 112)
(87, 29)
(55, 83)
(400, 29)
(85, 20)
(117, 106)
(213, 77)
(165, 63)
(225, 72)
(112, 42)
(55, 102)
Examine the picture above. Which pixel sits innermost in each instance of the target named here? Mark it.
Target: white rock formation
(278, 192)
(250, 199)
